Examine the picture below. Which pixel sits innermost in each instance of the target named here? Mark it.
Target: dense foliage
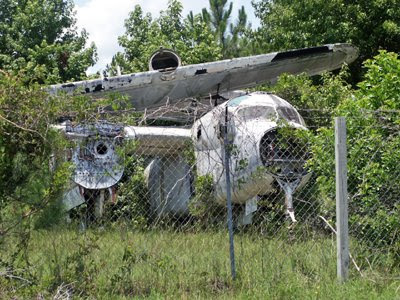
(370, 25)
(373, 117)
(40, 37)
(373, 120)
(231, 36)
(27, 144)
(191, 39)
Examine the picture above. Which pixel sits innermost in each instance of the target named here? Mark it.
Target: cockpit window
(289, 114)
(257, 112)
(236, 101)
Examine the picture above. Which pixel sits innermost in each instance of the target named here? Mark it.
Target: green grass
(121, 264)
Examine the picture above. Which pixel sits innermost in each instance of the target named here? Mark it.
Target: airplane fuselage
(250, 118)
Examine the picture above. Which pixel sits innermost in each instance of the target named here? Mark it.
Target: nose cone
(284, 151)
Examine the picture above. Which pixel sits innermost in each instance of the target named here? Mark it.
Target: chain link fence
(145, 210)
(373, 176)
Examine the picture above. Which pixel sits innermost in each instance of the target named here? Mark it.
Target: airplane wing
(156, 88)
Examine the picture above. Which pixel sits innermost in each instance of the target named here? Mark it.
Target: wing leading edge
(155, 88)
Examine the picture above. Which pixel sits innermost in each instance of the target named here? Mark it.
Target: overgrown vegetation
(39, 44)
(372, 114)
(28, 145)
(40, 37)
(33, 170)
(203, 199)
(124, 264)
(132, 203)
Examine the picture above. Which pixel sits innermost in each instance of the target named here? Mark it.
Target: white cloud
(104, 20)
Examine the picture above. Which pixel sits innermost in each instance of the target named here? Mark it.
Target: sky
(104, 20)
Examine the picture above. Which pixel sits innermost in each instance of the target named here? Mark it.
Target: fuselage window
(289, 114)
(257, 112)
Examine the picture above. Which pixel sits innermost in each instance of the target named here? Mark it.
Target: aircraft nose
(284, 153)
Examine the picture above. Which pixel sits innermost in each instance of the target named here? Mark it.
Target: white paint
(246, 134)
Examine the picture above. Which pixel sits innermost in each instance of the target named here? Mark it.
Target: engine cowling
(164, 60)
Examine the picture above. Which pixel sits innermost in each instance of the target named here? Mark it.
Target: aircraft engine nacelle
(164, 60)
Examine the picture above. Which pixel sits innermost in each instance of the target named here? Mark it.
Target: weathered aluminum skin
(97, 164)
(72, 198)
(246, 125)
(158, 141)
(155, 88)
(245, 132)
(170, 186)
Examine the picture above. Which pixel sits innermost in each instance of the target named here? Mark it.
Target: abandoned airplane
(252, 121)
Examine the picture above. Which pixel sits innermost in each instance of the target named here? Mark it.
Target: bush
(373, 117)
(28, 146)
(373, 154)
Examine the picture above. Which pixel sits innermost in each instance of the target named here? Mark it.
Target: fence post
(342, 236)
(228, 196)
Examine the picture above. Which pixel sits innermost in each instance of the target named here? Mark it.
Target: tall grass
(124, 264)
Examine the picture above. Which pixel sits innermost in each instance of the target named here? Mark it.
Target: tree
(234, 38)
(40, 38)
(218, 18)
(372, 114)
(239, 40)
(370, 25)
(190, 38)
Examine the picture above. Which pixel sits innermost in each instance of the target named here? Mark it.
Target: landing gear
(289, 187)
(246, 213)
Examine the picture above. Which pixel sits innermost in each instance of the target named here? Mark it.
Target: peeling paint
(153, 88)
